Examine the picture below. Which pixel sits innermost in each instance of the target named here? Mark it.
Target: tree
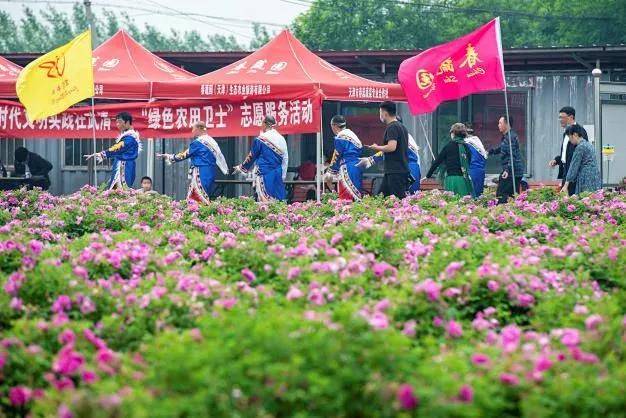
(408, 24)
(365, 24)
(51, 28)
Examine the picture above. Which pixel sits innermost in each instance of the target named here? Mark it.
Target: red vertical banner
(467, 65)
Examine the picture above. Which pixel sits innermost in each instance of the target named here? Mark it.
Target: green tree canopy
(52, 27)
(363, 24)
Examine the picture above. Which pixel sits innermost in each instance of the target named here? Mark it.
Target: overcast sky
(161, 14)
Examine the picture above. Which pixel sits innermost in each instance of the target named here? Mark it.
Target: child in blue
(206, 157)
(269, 159)
(124, 153)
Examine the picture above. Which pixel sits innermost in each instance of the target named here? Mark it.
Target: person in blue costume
(412, 153)
(206, 157)
(268, 160)
(343, 164)
(124, 153)
(478, 161)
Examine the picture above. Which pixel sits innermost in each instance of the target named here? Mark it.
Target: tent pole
(318, 153)
(150, 158)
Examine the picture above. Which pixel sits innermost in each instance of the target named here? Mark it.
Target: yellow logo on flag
(58, 79)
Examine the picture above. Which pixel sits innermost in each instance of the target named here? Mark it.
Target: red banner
(166, 119)
(467, 65)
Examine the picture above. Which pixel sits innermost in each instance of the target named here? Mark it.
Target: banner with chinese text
(467, 65)
(166, 119)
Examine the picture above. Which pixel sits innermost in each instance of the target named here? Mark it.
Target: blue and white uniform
(344, 162)
(206, 157)
(477, 164)
(268, 160)
(124, 154)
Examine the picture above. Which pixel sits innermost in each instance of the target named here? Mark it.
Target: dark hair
(389, 107)
(146, 178)
(569, 111)
(339, 120)
(510, 120)
(468, 127)
(21, 154)
(125, 116)
(269, 120)
(575, 129)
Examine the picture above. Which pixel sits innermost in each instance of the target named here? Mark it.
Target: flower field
(126, 305)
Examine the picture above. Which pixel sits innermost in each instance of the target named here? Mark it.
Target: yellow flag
(58, 79)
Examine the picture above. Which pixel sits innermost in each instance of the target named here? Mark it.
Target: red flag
(469, 64)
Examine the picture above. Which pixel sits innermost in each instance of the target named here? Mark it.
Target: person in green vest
(453, 163)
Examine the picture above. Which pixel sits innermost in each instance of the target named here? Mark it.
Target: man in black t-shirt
(396, 164)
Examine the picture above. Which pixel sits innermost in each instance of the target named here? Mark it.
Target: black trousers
(395, 184)
(505, 188)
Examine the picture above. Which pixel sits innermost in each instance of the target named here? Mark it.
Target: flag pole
(426, 137)
(93, 131)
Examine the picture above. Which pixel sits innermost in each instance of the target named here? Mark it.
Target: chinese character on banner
(294, 110)
(206, 89)
(181, 118)
(258, 66)
(4, 112)
(194, 115)
(154, 118)
(307, 111)
(98, 89)
(106, 121)
(168, 118)
(42, 124)
(221, 114)
(27, 123)
(258, 113)
(246, 115)
(238, 67)
(67, 123)
(270, 109)
(277, 68)
(208, 116)
(283, 113)
(80, 123)
(14, 121)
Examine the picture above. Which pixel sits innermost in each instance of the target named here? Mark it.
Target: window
(7, 150)
(483, 111)
(75, 148)
(486, 111)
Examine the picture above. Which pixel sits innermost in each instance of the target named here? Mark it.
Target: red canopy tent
(8, 77)
(281, 69)
(123, 69)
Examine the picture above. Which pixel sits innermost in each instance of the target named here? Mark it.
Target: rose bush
(120, 304)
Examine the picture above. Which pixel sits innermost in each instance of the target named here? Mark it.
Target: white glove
(365, 163)
(237, 170)
(169, 158)
(98, 156)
